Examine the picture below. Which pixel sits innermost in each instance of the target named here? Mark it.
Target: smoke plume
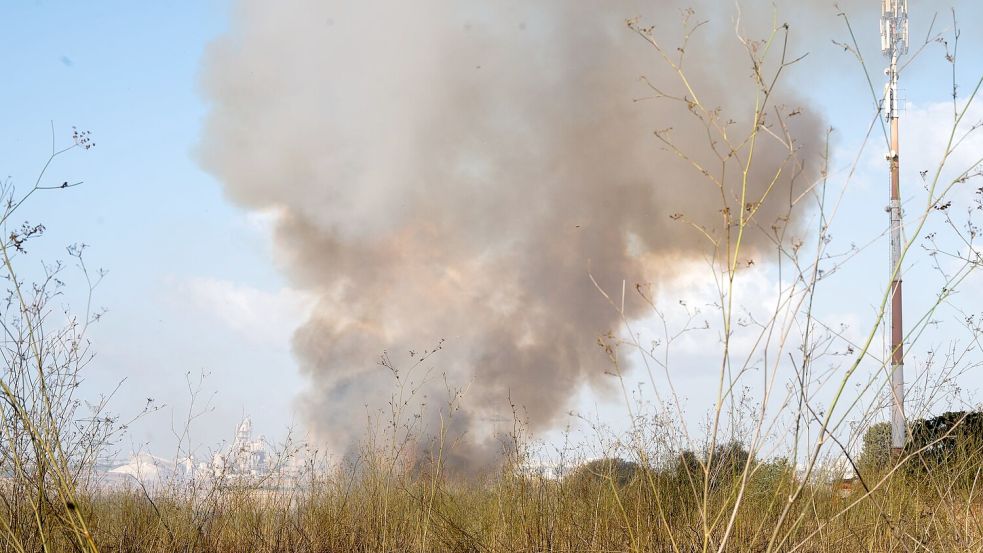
(454, 168)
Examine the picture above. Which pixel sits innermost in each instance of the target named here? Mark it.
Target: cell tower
(894, 43)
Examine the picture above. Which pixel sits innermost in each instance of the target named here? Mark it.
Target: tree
(945, 440)
(615, 469)
(876, 452)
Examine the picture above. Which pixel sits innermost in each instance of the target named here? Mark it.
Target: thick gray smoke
(452, 168)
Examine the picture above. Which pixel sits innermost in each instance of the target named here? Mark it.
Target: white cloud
(263, 220)
(260, 315)
(925, 134)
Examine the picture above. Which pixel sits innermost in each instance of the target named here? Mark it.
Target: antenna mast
(894, 43)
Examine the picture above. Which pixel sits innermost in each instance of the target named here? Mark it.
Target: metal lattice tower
(894, 44)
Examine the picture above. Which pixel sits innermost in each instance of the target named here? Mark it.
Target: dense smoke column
(451, 169)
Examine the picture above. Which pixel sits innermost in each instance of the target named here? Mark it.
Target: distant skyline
(193, 284)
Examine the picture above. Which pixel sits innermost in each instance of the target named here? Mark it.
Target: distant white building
(148, 470)
(244, 457)
(144, 467)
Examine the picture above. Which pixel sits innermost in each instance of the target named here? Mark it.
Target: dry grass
(600, 507)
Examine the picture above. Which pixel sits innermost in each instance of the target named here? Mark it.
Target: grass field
(734, 504)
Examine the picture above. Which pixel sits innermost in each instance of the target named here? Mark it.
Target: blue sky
(192, 285)
(129, 73)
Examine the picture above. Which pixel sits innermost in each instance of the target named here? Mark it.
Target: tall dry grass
(601, 506)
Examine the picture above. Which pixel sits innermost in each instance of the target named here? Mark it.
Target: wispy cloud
(264, 316)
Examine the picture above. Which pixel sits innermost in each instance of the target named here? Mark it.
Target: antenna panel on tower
(894, 27)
